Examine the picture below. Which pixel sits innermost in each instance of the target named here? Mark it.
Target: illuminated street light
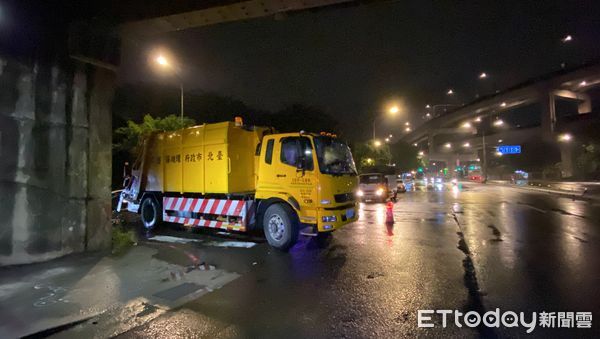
(387, 139)
(483, 75)
(478, 160)
(390, 136)
(583, 83)
(377, 143)
(503, 104)
(498, 122)
(428, 115)
(499, 140)
(421, 153)
(392, 110)
(415, 144)
(466, 144)
(161, 60)
(427, 106)
(164, 62)
(478, 119)
(407, 129)
(466, 125)
(407, 123)
(448, 145)
(566, 137)
(567, 38)
(450, 92)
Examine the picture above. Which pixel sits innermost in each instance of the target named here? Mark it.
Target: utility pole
(484, 168)
(181, 101)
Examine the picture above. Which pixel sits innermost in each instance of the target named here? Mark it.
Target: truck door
(295, 169)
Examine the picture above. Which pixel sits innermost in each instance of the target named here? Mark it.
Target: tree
(368, 155)
(129, 137)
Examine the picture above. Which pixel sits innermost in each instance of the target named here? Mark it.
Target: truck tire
(150, 213)
(280, 225)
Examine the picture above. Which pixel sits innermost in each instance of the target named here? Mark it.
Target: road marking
(175, 240)
(225, 243)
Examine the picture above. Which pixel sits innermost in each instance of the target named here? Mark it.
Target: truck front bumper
(332, 218)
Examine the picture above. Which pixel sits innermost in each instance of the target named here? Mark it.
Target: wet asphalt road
(475, 248)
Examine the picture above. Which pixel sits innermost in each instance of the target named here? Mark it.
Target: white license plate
(350, 213)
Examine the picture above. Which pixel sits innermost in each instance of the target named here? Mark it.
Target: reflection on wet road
(470, 247)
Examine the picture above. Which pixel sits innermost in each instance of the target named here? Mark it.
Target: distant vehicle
(475, 176)
(434, 182)
(408, 180)
(520, 178)
(400, 186)
(374, 187)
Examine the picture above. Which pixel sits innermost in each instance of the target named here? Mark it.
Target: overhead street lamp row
(483, 75)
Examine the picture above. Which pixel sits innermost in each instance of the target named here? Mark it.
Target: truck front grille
(345, 197)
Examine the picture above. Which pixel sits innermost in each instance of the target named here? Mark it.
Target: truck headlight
(379, 192)
(329, 218)
(360, 193)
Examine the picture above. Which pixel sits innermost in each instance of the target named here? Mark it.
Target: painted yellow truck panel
(210, 158)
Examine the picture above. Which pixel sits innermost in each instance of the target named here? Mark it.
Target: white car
(373, 187)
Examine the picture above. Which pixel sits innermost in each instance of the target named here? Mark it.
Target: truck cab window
(296, 151)
(269, 152)
(258, 147)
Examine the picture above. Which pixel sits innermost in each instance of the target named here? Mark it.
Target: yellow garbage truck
(238, 178)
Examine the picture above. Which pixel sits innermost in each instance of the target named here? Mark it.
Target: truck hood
(333, 185)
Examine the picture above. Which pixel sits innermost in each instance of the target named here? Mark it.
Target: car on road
(374, 187)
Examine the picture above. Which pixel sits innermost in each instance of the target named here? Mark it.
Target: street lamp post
(181, 100)
(162, 61)
(484, 169)
(393, 110)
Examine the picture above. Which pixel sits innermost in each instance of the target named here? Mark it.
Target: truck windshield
(371, 179)
(334, 156)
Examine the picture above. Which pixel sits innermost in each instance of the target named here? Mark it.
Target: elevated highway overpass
(463, 133)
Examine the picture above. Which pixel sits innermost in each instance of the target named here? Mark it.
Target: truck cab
(314, 174)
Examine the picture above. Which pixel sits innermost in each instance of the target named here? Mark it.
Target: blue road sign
(509, 149)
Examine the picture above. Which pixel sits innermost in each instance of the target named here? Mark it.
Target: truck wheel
(150, 213)
(281, 226)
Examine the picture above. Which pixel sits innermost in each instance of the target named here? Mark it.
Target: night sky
(352, 61)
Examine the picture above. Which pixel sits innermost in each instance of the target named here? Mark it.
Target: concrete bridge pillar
(55, 159)
(548, 114)
(566, 160)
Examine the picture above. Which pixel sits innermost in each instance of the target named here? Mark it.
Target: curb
(566, 194)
